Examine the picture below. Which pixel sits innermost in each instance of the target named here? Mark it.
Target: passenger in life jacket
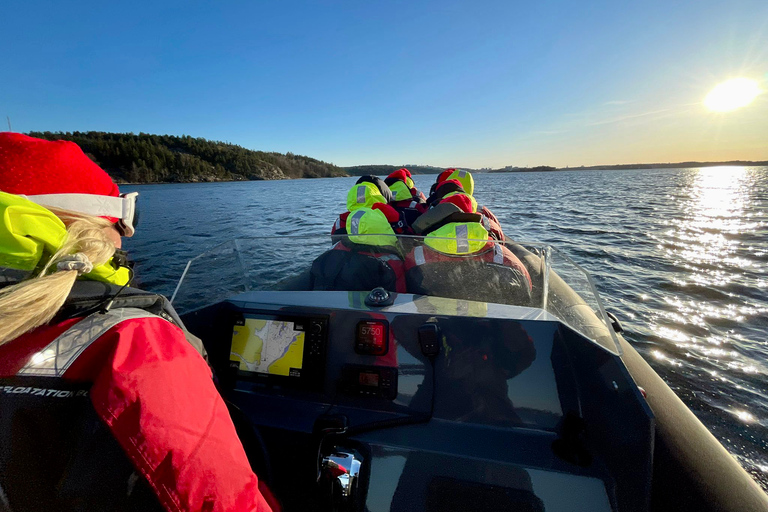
(406, 198)
(452, 187)
(366, 256)
(464, 178)
(404, 191)
(370, 192)
(106, 403)
(459, 259)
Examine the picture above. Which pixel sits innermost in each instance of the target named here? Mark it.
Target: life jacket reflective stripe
(354, 222)
(498, 255)
(396, 218)
(370, 227)
(458, 238)
(401, 191)
(418, 255)
(364, 195)
(381, 185)
(56, 358)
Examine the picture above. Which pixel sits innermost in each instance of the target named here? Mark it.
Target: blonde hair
(35, 301)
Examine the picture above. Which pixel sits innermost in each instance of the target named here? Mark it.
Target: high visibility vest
(458, 238)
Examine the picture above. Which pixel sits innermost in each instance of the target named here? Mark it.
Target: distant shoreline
(620, 167)
(148, 159)
(679, 165)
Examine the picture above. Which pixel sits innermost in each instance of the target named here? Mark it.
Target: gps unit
(280, 350)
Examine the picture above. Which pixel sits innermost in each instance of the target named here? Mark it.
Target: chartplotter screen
(269, 346)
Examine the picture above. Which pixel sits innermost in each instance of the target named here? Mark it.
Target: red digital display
(369, 379)
(372, 337)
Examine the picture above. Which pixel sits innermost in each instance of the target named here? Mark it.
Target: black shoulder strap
(441, 215)
(89, 296)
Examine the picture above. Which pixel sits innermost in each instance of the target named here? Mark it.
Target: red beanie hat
(32, 166)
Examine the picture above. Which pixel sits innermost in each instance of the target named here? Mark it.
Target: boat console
(427, 403)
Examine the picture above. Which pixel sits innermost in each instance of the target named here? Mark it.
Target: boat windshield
(504, 274)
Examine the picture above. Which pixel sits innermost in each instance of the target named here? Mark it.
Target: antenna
(9, 123)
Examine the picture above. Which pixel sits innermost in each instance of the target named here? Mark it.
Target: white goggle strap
(123, 208)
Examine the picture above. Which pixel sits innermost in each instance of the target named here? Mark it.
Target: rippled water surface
(680, 255)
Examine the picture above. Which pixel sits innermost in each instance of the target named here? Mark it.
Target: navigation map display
(268, 346)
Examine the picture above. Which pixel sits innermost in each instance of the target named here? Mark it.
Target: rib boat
(365, 399)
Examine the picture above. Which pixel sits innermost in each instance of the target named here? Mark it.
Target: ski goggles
(123, 208)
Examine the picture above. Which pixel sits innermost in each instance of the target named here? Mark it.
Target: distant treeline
(145, 158)
(540, 168)
(384, 170)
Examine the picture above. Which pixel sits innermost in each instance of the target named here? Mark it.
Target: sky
(450, 83)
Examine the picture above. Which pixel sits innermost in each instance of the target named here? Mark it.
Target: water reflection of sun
(705, 241)
(715, 209)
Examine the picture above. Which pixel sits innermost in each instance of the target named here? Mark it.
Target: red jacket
(155, 393)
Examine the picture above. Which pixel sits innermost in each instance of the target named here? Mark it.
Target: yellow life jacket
(458, 238)
(29, 232)
(400, 191)
(465, 178)
(370, 227)
(363, 195)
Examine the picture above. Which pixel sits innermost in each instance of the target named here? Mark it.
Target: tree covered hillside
(145, 158)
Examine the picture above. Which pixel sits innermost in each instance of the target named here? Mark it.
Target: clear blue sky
(445, 83)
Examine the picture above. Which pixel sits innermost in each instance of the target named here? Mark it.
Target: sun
(733, 94)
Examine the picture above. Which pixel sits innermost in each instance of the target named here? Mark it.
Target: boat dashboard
(426, 402)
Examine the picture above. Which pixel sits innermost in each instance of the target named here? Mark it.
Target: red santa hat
(32, 166)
